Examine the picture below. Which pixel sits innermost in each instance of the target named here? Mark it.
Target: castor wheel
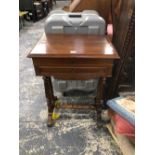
(50, 121)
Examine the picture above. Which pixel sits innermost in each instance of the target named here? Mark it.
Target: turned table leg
(99, 100)
(50, 99)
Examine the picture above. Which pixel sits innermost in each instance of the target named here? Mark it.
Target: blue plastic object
(130, 117)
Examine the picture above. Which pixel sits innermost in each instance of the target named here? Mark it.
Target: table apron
(74, 73)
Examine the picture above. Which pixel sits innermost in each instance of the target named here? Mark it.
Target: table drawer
(74, 73)
(65, 62)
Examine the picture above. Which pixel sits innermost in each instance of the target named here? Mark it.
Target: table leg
(50, 99)
(99, 99)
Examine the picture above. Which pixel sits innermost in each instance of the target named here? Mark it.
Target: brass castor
(50, 121)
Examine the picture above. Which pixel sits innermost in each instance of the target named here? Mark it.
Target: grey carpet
(75, 133)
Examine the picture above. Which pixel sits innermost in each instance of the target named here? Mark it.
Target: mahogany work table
(73, 57)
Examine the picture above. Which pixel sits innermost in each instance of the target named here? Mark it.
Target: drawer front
(74, 73)
(72, 62)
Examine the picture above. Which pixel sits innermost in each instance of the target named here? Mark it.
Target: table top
(74, 46)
